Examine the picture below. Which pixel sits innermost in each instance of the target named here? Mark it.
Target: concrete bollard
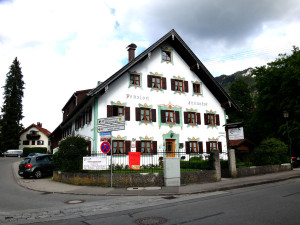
(232, 163)
(217, 165)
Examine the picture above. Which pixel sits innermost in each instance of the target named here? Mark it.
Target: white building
(170, 101)
(35, 136)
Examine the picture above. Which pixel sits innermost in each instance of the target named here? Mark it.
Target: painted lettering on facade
(137, 97)
(198, 103)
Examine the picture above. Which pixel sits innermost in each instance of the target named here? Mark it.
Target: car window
(50, 157)
(42, 159)
(27, 160)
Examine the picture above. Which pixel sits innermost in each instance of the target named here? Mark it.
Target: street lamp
(286, 116)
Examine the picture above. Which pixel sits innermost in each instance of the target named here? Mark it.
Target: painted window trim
(201, 88)
(133, 85)
(167, 49)
(178, 78)
(118, 138)
(150, 107)
(170, 107)
(193, 111)
(161, 77)
(215, 114)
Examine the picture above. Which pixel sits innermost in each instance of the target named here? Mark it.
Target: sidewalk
(50, 186)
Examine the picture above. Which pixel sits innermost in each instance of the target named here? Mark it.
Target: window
(135, 79)
(196, 88)
(120, 147)
(157, 82)
(179, 85)
(170, 116)
(32, 142)
(166, 56)
(40, 142)
(192, 118)
(25, 142)
(146, 147)
(194, 147)
(212, 119)
(116, 110)
(213, 145)
(145, 114)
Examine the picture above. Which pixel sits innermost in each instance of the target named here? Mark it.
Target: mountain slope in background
(226, 80)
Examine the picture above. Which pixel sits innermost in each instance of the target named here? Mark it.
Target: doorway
(170, 148)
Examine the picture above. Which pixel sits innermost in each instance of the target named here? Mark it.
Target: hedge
(28, 150)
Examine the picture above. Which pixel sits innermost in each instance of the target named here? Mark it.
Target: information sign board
(236, 133)
(94, 163)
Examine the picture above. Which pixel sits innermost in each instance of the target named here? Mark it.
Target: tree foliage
(278, 86)
(12, 110)
(271, 152)
(71, 151)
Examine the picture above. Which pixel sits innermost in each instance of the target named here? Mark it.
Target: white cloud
(68, 45)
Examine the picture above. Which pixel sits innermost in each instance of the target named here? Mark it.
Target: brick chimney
(39, 124)
(131, 51)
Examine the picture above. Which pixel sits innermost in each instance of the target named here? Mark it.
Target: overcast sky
(69, 45)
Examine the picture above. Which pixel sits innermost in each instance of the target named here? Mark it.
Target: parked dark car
(36, 166)
(13, 152)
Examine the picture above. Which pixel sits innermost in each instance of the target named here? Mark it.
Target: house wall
(43, 138)
(120, 92)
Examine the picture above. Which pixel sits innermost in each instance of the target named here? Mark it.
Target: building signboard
(236, 133)
(94, 163)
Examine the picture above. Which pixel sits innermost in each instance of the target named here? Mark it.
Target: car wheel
(38, 174)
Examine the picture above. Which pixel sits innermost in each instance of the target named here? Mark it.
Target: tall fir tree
(12, 109)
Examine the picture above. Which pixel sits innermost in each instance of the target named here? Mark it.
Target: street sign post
(105, 127)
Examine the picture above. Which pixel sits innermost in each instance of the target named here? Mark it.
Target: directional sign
(111, 124)
(111, 128)
(111, 120)
(105, 147)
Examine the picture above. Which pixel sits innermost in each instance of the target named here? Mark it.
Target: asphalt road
(14, 197)
(274, 203)
(268, 204)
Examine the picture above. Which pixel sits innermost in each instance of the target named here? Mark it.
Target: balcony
(33, 136)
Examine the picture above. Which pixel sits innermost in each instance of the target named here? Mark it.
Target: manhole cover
(169, 197)
(74, 201)
(151, 221)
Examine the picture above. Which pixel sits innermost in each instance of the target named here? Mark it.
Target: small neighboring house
(34, 136)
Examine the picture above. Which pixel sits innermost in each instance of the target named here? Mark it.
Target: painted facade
(170, 102)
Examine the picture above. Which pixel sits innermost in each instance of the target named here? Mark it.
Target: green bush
(195, 163)
(28, 150)
(69, 156)
(270, 152)
(224, 164)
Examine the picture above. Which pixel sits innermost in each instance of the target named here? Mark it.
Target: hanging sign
(134, 160)
(236, 133)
